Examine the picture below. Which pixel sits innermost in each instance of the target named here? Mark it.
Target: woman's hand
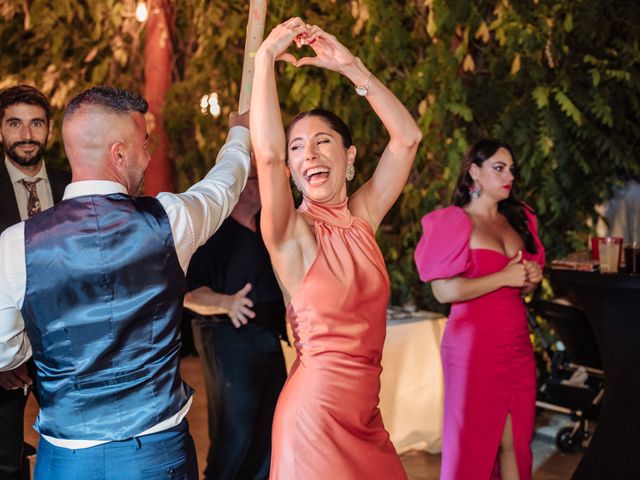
(515, 274)
(281, 38)
(534, 276)
(330, 53)
(534, 272)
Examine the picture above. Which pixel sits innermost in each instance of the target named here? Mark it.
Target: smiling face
(23, 132)
(318, 160)
(495, 176)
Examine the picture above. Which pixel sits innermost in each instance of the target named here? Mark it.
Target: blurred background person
(623, 212)
(241, 318)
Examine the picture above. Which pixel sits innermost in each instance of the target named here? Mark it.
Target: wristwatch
(363, 90)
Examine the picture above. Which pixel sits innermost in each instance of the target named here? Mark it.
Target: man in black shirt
(240, 317)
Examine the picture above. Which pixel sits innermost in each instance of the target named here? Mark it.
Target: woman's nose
(310, 151)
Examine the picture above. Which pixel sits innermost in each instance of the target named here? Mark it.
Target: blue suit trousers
(164, 455)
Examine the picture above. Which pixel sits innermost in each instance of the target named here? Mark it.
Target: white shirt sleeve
(196, 214)
(15, 348)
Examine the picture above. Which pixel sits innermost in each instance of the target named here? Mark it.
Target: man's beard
(12, 153)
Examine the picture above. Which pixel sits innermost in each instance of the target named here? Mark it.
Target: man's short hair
(116, 99)
(24, 94)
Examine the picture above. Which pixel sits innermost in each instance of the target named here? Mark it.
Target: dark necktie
(33, 204)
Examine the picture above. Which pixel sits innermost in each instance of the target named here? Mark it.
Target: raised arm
(268, 137)
(377, 195)
(196, 214)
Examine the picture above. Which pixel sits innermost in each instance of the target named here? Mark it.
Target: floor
(549, 464)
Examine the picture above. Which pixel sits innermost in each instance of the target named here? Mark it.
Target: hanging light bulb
(209, 105)
(142, 12)
(214, 106)
(204, 104)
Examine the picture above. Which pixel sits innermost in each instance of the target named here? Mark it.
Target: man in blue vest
(97, 284)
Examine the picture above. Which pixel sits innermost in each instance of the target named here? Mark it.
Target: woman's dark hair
(334, 121)
(512, 208)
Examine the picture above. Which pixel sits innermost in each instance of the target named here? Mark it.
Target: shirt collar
(16, 175)
(92, 187)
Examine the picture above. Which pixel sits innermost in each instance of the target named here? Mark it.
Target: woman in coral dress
(327, 423)
(481, 254)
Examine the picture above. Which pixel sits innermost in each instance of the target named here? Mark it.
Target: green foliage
(559, 81)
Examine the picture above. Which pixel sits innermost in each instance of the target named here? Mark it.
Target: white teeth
(314, 170)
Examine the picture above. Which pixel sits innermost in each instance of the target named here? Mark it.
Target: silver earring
(351, 171)
(475, 191)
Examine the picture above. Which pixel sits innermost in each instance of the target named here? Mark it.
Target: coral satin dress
(327, 424)
(487, 358)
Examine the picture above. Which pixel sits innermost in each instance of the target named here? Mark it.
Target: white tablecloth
(412, 388)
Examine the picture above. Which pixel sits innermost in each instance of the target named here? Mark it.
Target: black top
(233, 257)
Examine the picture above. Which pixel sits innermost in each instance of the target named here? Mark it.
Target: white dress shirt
(43, 187)
(194, 216)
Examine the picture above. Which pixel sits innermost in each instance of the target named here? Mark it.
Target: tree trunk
(157, 74)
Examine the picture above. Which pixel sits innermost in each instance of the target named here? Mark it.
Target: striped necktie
(33, 203)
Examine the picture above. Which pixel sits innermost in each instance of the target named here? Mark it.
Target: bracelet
(363, 90)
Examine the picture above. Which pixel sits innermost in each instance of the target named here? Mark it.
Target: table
(612, 303)
(411, 395)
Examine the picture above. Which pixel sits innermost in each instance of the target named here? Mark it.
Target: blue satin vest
(102, 310)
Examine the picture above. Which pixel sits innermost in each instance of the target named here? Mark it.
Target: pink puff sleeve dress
(487, 357)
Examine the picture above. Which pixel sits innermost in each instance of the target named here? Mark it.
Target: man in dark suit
(240, 320)
(27, 186)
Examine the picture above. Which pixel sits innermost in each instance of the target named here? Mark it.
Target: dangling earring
(351, 171)
(474, 191)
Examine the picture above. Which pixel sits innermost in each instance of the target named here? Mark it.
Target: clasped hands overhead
(329, 52)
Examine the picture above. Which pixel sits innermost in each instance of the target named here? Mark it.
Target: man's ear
(50, 129)
(351, 154)
(118, 153)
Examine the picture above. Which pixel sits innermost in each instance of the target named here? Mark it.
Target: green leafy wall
(558, 80)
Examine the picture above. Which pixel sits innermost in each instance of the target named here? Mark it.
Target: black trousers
(12, 403)
(244, 372)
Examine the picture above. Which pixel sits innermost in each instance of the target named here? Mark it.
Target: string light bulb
(142, 12)
(209, 104)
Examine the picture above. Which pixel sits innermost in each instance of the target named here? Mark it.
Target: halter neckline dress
(327, 422)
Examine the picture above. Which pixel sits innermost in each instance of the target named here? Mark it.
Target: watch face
(362, 91)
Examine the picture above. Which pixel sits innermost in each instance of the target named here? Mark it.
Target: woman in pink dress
(327, 424)
(481, 254)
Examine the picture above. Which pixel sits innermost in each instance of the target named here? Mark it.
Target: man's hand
(239, 307)
(239, 120)
(16, 378)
